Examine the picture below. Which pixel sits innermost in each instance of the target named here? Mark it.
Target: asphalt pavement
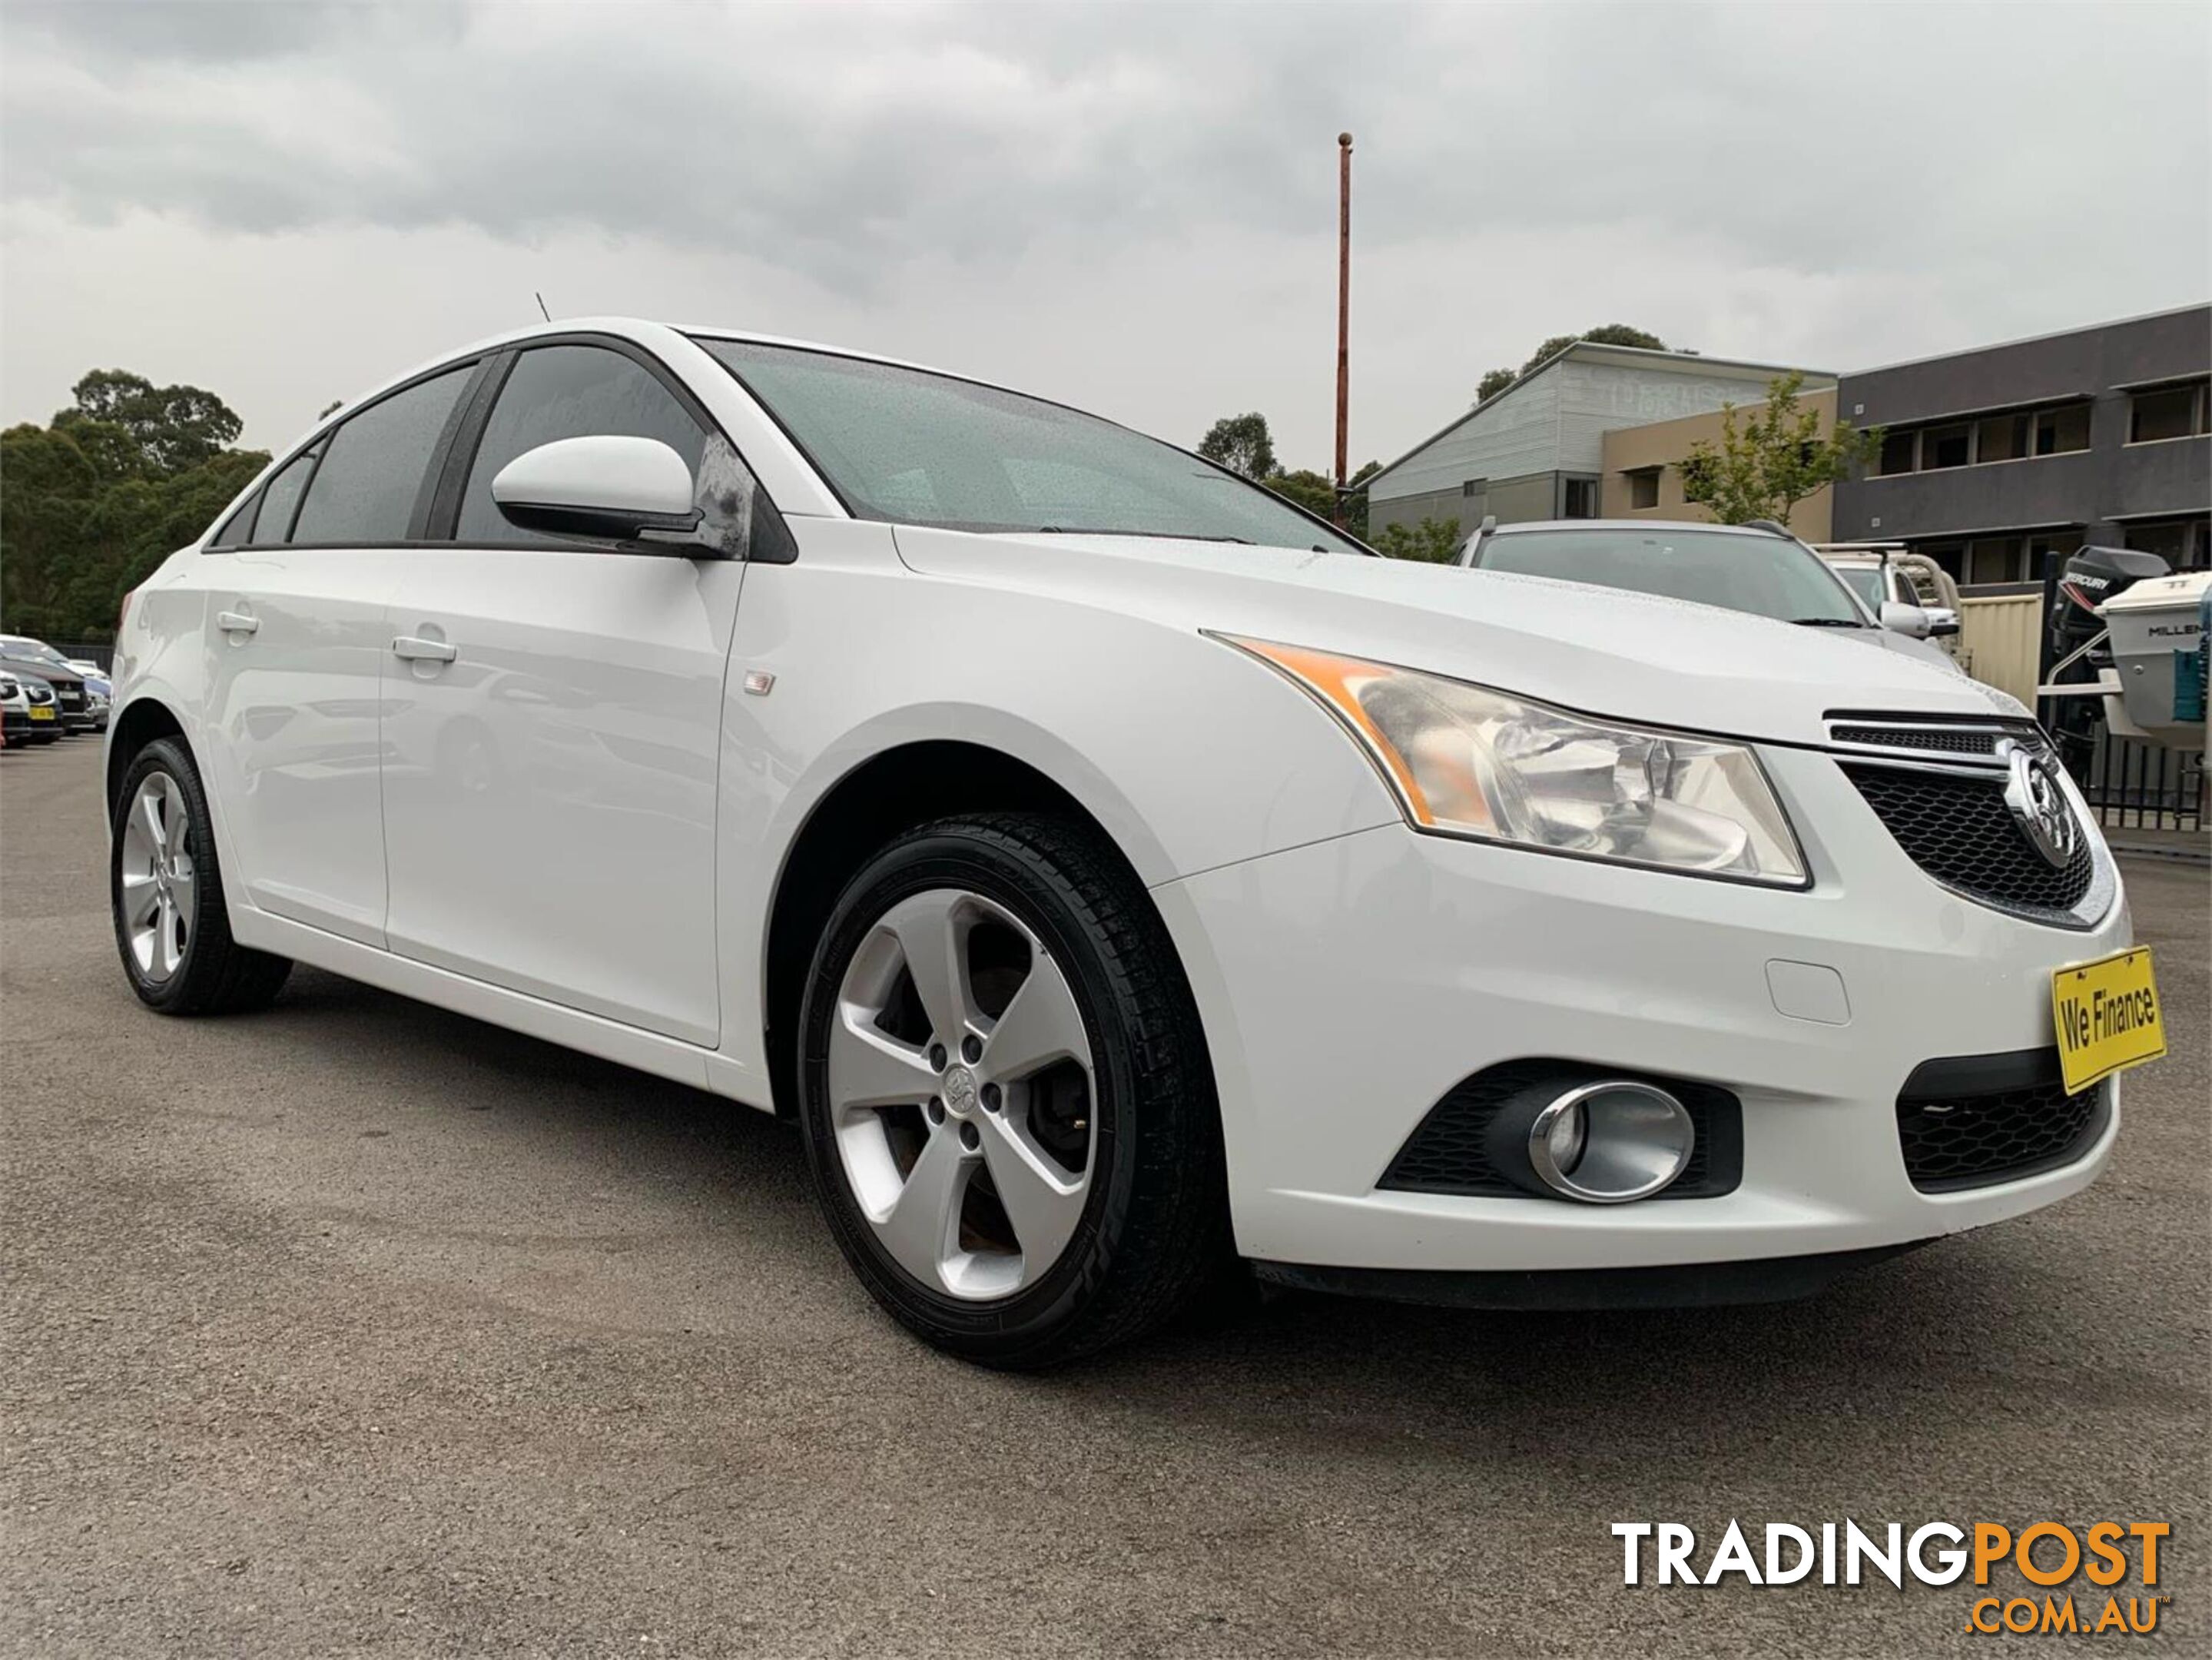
(359, 1328)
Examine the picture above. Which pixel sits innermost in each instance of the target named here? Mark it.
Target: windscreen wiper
(1158, 535)
(1829, 622)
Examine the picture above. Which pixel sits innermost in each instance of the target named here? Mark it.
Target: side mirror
(1942, 620)
(1909, 621)
(604, 485)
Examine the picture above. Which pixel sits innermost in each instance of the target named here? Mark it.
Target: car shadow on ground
(1947, 1334)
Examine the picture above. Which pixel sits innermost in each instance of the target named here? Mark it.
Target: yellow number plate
(43, 712)
(2108, 1017)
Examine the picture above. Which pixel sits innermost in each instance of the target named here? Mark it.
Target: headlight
(1467, 760)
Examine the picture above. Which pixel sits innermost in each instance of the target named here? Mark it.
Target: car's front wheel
(166, 889)
(1008, 1107)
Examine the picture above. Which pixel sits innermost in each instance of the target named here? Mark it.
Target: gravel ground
(358, 1326)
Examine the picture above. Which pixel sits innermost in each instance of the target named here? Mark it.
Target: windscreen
(1769, 575)
(911, 447)
(1864, 580)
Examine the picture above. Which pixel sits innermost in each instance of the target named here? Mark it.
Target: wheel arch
(140, 721)
(880, 799)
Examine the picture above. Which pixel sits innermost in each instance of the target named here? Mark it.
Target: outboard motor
(2089, 577)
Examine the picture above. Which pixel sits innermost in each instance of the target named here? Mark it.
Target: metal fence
(2136, 786)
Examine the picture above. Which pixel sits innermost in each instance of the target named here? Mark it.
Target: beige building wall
(1663, 444)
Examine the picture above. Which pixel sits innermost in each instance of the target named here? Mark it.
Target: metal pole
(1343, 309)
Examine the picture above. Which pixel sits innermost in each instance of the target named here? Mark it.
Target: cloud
(1128, 201)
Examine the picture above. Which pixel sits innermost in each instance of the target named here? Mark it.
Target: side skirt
(664, 1057)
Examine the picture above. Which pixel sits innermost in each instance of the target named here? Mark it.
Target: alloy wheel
(960, 1090)
(158, 881)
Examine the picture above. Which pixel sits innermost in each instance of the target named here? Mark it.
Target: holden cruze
(1116, 873)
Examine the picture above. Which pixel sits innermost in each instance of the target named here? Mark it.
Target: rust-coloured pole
(1343, 307)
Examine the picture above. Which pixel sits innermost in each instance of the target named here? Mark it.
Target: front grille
(1445, 1153)
(1959, 740)
(72, 697)
(1961, 832)
(1984, 1118)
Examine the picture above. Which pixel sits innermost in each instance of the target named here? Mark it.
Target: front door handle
(416, 649)
(236, 622)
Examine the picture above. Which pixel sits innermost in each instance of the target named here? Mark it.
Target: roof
(1640, 526)
(2031, 339)
(1622, 356)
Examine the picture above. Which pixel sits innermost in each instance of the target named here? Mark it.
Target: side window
(280, 497)
(238, 529)
(365, 489)
(568, 392)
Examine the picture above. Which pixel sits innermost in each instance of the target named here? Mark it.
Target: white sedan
(1115, 871)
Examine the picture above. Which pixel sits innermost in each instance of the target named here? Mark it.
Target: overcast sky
(1130, 209)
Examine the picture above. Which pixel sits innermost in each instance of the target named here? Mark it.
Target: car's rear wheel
(1008, 1107)
(166, 889)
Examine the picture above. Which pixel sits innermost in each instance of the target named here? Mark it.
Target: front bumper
(1347, 985)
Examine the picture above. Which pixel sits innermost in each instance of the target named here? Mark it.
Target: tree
(174, 427)
(1241, 443)
(1434, 540)
(1309, 489)
(1776, 458)
(95, 501)
(1608, 334)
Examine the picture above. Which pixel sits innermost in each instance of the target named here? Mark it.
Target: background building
(1992, 457)
(1643, 471)
(1536, 450)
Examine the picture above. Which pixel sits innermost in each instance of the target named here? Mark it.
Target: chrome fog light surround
(1610, 1142)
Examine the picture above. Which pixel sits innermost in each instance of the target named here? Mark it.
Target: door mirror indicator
(608, 486)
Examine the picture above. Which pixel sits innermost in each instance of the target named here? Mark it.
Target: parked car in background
(1114, 870)
(72, 699)
(1760, 569)
(98, 689)
(33, 717)
(14, 712)
(1887, 574)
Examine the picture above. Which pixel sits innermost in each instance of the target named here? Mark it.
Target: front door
(552, 716)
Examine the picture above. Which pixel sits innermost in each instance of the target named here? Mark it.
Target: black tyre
(1008, 1107)
(165, 889)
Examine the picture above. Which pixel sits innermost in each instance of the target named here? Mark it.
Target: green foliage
(1241, 443)
(1435, 540)
(1776, 458)
(1608, 334)
(91, 504)
(1315, 493)
(173, 427)
(1309, 489)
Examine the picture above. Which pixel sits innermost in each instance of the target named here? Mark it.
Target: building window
(1995, 559)
(1951, 555)
(1581, 499)
(1897, 449)
(2184, 544)
(2167, 412)
(2060, 542)
(1472, 488)
(2001, 438)
(2062, 431)
(1946, 446)
(1644, 488)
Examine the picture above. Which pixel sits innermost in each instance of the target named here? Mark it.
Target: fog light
(1607, 1143)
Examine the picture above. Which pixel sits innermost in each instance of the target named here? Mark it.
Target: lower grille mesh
(1995, 1129)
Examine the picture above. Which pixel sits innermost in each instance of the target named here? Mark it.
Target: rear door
(551, 738)
(297, 582)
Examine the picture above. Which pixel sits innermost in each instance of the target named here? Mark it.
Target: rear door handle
(236, 622)
(417, 650)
